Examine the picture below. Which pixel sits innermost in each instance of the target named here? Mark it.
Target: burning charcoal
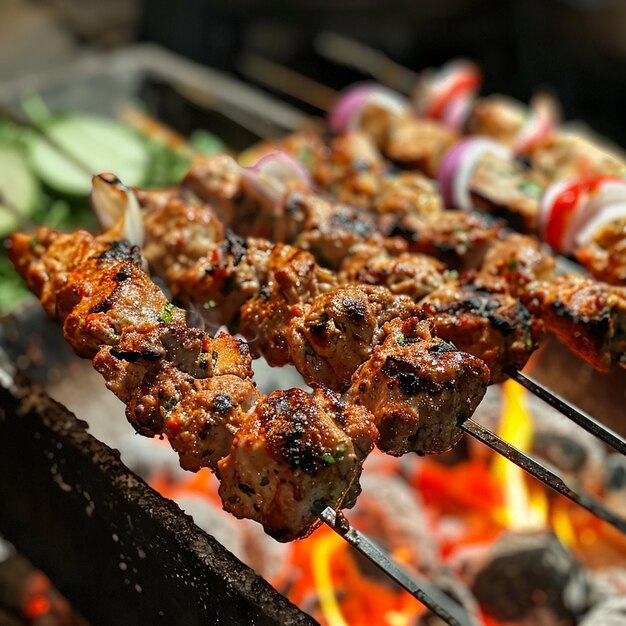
(615, 473)
(610, 613)
(28, 597)
(453, 587)
(531, 577)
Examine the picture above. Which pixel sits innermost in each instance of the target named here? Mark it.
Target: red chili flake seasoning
(173, 425)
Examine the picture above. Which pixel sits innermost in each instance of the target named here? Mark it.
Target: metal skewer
(573, 413)
(364, 58)
(542, 473)
(428, 594)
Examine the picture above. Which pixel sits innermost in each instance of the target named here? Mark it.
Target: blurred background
(577, 47)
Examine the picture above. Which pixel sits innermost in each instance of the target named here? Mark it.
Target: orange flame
(524, 508)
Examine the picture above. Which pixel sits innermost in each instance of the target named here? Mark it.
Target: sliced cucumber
(94, 144)
(19, 189)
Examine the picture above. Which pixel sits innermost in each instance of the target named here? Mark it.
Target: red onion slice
(117, 208)
(282, 167)
(542, 121)
(346, 113)
(266, 188)
(457, 168)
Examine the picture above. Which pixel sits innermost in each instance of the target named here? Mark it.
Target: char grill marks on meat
(327, 345)
(328, 229)
(301, 313)
(586, 315)
(477, 317)
(410, 381)
(195, 389)
(470, 241)
(579, 310)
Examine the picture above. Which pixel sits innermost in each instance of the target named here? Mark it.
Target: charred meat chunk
(589, 317)
(484, 321)
(296, 454)
(410, 274)
(292, 278)
(419, 387)
(338, 330)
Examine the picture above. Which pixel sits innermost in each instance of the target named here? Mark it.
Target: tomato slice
(465, 80)
(565, 204)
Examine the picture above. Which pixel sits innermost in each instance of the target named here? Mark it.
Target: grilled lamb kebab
(483, 171)
(255, 206)
(278, 457)
(432, 386)
(331, 330)
(594, 330)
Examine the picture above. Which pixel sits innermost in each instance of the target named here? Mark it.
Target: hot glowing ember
(456, 519)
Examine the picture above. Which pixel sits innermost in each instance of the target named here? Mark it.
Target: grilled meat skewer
(327, 228)
(274, 285)
(325, 325)
(197, 390)
(593, 332)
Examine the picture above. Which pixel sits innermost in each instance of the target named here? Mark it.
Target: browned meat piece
(197, 390)
(337, 331)
(478, 318)
(410, 274)
(351, 169)
(605, 255)
(506, 189)
(292, 277)
(521, 260)
(458, 238)
(568, 155)
(419, 387)
(204, 264)
(588, 316)
(328, 229)
(355, 173)
(295, 455)
(497, 116)
(178, 233)
(407, 193)
(408, 140)
(217, 180)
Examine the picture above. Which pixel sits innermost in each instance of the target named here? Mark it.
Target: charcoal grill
(116, 548)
